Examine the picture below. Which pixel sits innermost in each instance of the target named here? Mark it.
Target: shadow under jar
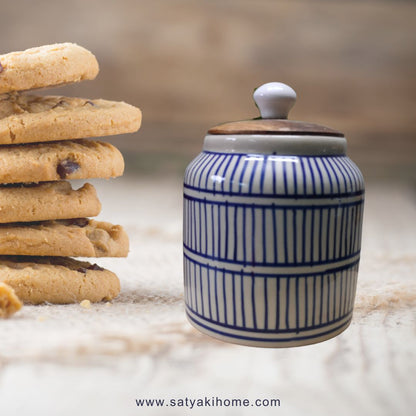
(273, 214)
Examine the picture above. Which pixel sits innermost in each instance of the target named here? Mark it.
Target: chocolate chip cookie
(46, 66)
(57, 279)
(80, 237)
(70, 159)
(33, 118)
(47, 201)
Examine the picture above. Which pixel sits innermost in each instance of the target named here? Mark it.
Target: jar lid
(274, 101)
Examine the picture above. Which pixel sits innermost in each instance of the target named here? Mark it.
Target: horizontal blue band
(252, 338)
(276, 273)
(266, 264)
(336, 204)
(212, 152)
(282, 196)
(270, 331)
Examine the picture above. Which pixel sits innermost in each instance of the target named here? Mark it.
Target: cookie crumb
(41, 318)
(85, 304)
(108, 304)
(9, 302)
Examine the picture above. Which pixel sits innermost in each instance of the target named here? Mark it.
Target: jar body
(271, 246)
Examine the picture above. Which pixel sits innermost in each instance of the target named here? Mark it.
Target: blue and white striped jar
(272, 233)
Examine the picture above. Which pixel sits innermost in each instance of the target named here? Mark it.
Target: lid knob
(274, 100)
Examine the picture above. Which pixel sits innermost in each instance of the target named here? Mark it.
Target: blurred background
(192, 64)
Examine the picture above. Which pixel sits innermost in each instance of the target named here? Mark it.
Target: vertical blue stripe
(233, 299)
(236, 165)
(243, 313)
(252, 176)
(278, 303)
(287, 303)
(311, 236)
(347, 172)
(303, 170)
(315, 279)
(195, 286)
(308, 159)
(348, 168)
(219, 233)
(321, 300)
(284, 165)
(204, 164)
(226, 169)
(274, 231)
(297, 302)
(295, 179)
(266, 305)
(335, 161)
(303, 240)
(334, 315)
(273, 169)
(243, 171)
(263, 173)
(192, 169)
(201, 291)
(321, 241)
(235, 232)
(331, 167)
(244, 238)
(226, 230)
(211, 166)
(340, 237)
(264, 233)
(216, 294)
(213, 232)
(224, 296)
(205, 229)
(198, 166)
(331, 185)
(285, 235)
(200, 227)
(328, 297)
(306, 294)
(216, 174)
(328, 229)
(354, 228)
(253, 300)
(209, 293)
(253, 236)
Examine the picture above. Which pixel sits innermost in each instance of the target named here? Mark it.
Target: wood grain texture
(271, 126)
(141, 346)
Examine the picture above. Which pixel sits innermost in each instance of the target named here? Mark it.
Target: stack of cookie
(44, 143)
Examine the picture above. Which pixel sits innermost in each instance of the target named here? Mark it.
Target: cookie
(9, 302)
(47, 201)
(70, 159)
(80, 237)
(46, 66)
(33, 118)
(57, 280)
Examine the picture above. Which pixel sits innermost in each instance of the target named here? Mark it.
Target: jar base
(269, 340)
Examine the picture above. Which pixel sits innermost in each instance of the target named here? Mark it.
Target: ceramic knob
(274, 100)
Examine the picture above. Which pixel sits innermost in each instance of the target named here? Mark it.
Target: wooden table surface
(70, 360)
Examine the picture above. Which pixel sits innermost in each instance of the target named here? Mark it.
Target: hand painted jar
(273, 214)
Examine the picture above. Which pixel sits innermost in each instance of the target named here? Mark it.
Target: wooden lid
(274, 126)
(274, 101)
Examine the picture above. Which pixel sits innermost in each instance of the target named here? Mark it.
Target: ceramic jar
(273, 214)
